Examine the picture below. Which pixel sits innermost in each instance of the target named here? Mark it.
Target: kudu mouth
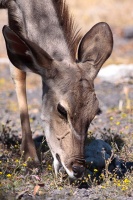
(78, 167)
(74, 166)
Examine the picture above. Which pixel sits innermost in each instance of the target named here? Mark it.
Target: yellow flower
(103, 187)
(127, 181)
(24, 165)
(117, 123)
(0, 161)
(95, 170)
(124, 115)
(16, 161)
(124, 188)
(49, 167)
(1, 173)
(111, 118)
(118, 184)
(8, 175)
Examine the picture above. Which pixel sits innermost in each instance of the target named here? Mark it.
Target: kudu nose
(78, 171)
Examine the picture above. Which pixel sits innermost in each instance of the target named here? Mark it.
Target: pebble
(128, 32)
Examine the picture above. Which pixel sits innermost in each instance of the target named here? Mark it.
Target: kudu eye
(62, 111)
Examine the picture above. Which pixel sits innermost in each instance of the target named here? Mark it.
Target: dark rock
(96, 153)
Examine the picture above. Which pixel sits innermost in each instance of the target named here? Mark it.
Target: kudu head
(69, 100)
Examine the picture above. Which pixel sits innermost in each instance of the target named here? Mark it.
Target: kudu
(42, 38)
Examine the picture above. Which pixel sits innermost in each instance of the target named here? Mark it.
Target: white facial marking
(70, 173)
(56, 165)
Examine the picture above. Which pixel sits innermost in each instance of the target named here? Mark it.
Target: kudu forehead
(72, 84)
(72, 75)
(75, 92)
(84, 107)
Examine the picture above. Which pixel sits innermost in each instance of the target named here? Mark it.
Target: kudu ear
(24, 54)
(95, 47)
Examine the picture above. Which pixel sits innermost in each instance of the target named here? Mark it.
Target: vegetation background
(117, 13)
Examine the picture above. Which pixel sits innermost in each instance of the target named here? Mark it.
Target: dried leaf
(36, 189)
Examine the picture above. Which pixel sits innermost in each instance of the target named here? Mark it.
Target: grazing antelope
(42, 38)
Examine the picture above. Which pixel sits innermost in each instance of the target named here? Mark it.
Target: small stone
(128, 32)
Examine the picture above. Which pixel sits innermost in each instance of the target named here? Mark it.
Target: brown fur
(43, 38)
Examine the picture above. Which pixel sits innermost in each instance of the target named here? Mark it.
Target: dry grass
(117, 13)
(15, 180)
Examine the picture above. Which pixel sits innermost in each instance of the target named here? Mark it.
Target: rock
(128, 32)
(117, 73)
(96, 153)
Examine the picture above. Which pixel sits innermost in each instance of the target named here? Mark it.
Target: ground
(114, 125)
